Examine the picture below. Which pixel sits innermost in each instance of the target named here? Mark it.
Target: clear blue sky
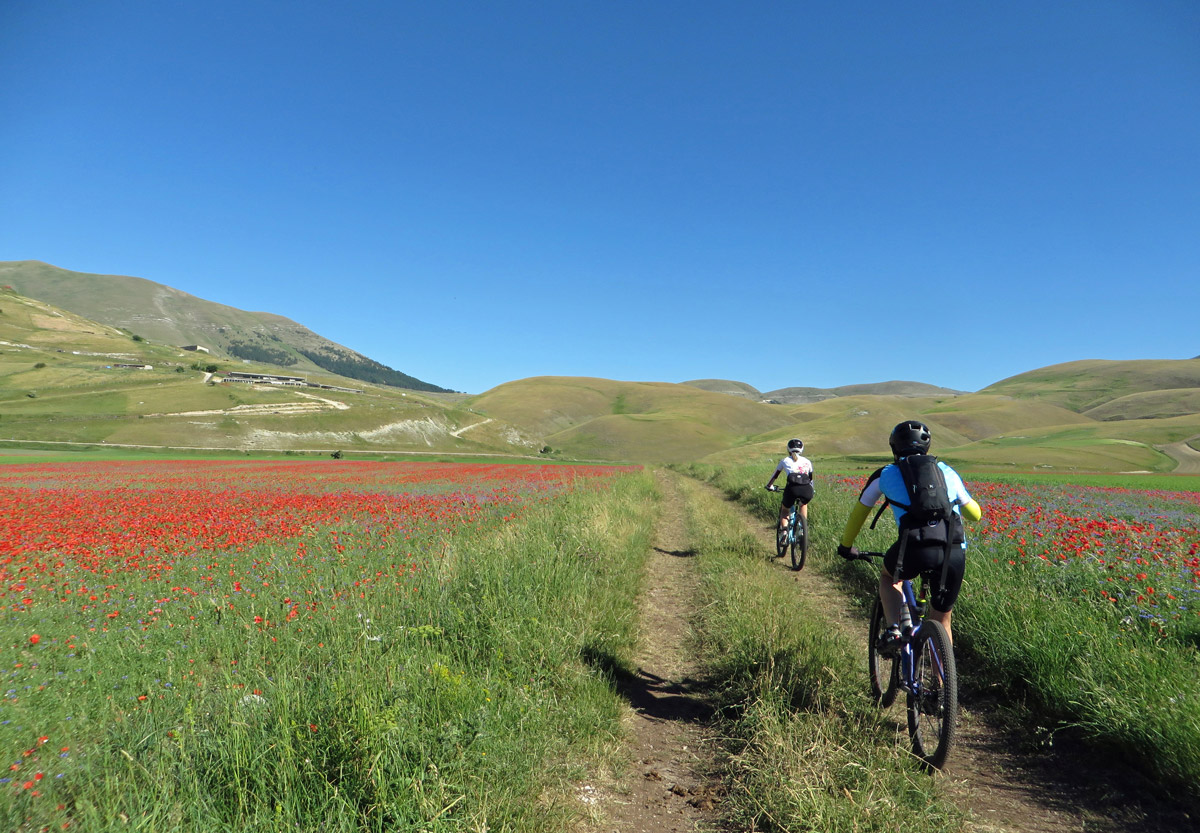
(780, 193)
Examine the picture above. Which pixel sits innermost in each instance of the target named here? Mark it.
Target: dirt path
(995, 773)
(1187, 457)
(671, 785)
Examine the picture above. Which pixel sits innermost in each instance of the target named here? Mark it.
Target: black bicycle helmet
(795, 445)
(910, 437)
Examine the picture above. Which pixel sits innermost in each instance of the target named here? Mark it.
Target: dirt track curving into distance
(1187, 457)
(1007, 782)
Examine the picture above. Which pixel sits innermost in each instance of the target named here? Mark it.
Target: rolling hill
(609, 420)
(1084, 385)
(807, 395)
(168, 316)
(68, 378)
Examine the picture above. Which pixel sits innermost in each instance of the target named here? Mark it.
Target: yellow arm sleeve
(971, 511)
(854, 523)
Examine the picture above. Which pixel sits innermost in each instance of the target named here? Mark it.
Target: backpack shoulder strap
(886, 503)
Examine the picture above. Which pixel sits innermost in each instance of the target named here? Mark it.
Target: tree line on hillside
(368, 371)
(261, 353)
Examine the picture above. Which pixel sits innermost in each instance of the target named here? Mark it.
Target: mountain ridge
(808, 395)
(171, 316)
(65, 378)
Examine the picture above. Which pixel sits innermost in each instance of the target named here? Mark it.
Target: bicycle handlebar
(863, 555)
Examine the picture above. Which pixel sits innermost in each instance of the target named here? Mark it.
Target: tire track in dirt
(992, 772)
(671, 784)
(1187, 458)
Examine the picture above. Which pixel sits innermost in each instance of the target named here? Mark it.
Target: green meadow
(62, 380)
(1065, 660)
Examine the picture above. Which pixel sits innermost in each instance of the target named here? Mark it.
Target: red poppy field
(131, 587)
(1082, 603)
(1135, 551)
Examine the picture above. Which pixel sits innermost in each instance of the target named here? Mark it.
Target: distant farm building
(130, 366)
(195, 348)
(265, 378)
(244, 378)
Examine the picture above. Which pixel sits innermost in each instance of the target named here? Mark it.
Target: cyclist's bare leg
(942, 616)
(783, 516)
(804, 513)
(891, 595)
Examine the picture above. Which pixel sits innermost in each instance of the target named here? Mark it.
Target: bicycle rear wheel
(885, 673)
(933, 709)
(799, 544)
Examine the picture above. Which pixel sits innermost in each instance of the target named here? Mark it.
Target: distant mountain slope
(1154, 404)
(69, 381)
(808, 395)
(1086, 385)
(169, 316)
(727, 387)
(612, 420)
(894, 389)
(800, 396)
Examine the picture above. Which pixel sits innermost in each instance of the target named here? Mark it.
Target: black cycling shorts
(793, 492)
(927, 561)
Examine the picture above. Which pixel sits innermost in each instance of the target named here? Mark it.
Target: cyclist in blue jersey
(799, 482)
(938, 554)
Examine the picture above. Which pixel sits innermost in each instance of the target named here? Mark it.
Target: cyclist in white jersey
(799, 485)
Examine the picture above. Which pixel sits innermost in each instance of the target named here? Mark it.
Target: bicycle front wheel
(799, 544)
(933, 703)
(885, 673)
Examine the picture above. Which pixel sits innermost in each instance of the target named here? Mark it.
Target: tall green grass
(1165, 482)
(808, 749)
(1067, 663)
(462, 702)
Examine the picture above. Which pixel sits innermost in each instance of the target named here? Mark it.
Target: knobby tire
(933, 717)
(885, 673)
(799, 543)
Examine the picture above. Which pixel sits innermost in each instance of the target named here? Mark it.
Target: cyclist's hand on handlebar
(848, 553)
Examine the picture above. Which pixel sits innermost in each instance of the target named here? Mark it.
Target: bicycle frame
(908, 682)
(924, 668)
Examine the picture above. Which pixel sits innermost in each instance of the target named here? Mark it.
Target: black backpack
(928, 498)
(929, 516)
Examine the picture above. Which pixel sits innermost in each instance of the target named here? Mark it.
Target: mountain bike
(924, 669)
(794, 538)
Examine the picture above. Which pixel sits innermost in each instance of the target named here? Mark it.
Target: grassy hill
(168, 316)
(727, 387)
(66, 379)
(803, 395)
(1084, 385)
(983, 431)
(610, 420)
(807, 395)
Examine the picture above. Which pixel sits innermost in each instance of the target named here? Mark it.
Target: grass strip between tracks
(808, 749)
(1066, 661)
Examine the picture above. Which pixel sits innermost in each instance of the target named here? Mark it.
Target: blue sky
(780, 193)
